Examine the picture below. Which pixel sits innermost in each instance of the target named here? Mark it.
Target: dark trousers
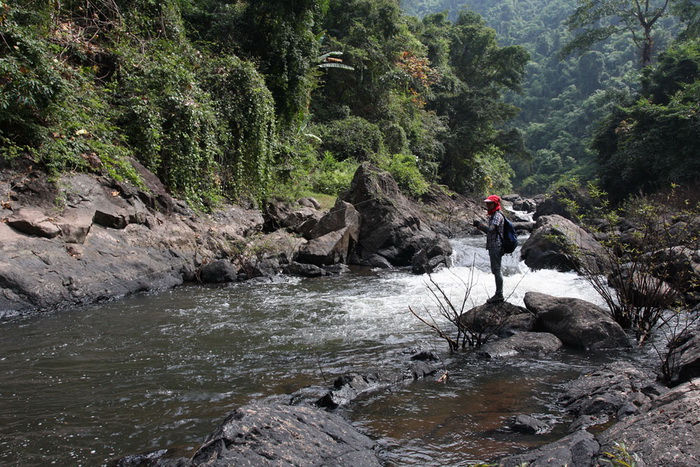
(495, 256)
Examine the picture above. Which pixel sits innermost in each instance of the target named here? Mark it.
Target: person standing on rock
(494, 242)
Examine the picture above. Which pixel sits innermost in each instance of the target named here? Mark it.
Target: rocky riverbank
(83, 239)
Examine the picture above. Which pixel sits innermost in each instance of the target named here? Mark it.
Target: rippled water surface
(86, 386)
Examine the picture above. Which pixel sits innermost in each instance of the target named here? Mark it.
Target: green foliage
(689, 13)
(641, 276)
(281, 37)
(245, 108)
(493, 172)
(149, 19)
(331, 176)
(391, 85)
(404, 169)
(169, 121)
(304, 170)
(562, 99)
(213, 97)
(372, 35)
(52, 111)
(296, 162)
(32, 84)
(469, 94)
(83, 137)
(621, 457)
(351, 138)
(653, 142)
(599, 19)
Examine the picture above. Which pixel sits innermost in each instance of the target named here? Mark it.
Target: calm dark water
(89, 385)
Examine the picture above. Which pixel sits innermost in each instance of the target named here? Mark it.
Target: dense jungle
(248, 100)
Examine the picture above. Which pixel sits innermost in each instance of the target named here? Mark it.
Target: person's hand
(476, 223)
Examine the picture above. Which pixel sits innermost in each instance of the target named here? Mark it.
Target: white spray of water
(380, 309)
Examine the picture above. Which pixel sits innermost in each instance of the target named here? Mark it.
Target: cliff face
(83, 239)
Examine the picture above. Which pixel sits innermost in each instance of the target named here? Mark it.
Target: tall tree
(652, 142)
(600, 19)
(372, 34)
(476, 72)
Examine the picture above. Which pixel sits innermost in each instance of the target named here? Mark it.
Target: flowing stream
(89, 385)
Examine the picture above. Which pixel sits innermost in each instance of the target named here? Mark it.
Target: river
(89, 385)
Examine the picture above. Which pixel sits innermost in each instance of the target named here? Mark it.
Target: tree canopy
(564, 95)
(251, 99)
(651, 143)
(248, 99)
(596, 20)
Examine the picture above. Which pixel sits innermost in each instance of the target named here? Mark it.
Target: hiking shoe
(498, 298)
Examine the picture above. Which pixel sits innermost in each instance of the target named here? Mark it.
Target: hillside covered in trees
(587, 66)
(246, 100)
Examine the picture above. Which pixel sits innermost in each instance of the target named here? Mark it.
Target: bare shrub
(451, 319)
(675, 332)
(647, 243)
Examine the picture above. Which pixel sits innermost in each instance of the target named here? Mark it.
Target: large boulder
(331, 248)
(347, 388)
(391, 225)
(578, 449)
(578, 323)
(649, 417)
(75, 224)
(333, 237)
(558, 243)
(342, 216)
(686, 359)
(217, 271)
(282, 215)
(525, 204)
(560, 203)
(100, 240)
(614, 391)
(431, 257)
(668, 434)
(500, 319)
(33, 221)
(284, 435)
(528, 343)
(682, 266)
(450, 213)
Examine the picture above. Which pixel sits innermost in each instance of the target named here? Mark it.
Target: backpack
(509, 238)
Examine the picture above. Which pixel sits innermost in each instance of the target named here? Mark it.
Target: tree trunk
(646, 53)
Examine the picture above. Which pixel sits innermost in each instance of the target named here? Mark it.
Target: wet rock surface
(686, 355)
(498, 319)
(269, 435)
(614, 391)
(655, 426)
(532, 343)
(103, 240)
(667, 434)
(85, 239)
(575, 450)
